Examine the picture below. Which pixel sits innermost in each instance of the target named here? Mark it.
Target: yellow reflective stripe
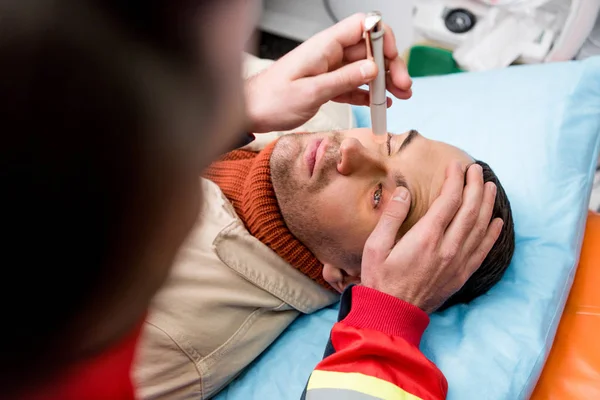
(359, 383)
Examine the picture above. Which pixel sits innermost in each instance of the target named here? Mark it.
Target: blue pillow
(538, 127)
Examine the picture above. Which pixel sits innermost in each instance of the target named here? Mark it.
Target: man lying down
(284, 232)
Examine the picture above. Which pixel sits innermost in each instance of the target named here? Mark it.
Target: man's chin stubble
(286, 152)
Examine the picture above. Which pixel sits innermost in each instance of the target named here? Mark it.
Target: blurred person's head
(314, 199)
(110, 109)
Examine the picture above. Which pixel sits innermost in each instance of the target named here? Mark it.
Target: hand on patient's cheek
(381, 241)
(435, 258)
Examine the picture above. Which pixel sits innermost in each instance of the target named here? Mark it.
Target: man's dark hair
(499, 257)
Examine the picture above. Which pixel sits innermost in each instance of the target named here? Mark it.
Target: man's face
(331, 187)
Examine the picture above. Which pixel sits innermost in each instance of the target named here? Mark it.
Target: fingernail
(476, 167)
(493, 189)
(500, 224)
(401, 194)
(368, 69)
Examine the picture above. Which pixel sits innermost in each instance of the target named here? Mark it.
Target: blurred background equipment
(300, 20)
(477, 34)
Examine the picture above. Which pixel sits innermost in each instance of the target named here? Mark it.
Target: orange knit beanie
(245, 179)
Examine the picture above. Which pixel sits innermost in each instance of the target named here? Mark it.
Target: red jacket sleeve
(103, 376)
(373, 352)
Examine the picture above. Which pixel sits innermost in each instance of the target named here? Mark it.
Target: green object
(428, 61)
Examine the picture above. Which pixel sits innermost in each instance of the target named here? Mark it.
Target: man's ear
(337, 277)
(334, 277)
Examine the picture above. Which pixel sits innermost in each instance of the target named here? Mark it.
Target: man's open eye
(377, 196)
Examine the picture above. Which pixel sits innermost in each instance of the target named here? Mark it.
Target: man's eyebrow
(411, 135)
(399, 180)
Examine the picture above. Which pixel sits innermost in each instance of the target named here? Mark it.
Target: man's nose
(356, 158)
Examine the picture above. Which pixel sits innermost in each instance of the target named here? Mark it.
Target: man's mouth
(312, 155)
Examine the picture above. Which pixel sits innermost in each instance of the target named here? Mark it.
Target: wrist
(372, 309)
(255, 109)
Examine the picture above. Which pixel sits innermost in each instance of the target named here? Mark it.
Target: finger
(382, 239)
(357, 97)
(324, 87)
(358, 51)
(490, 238)
(328, 45)
(347, 32)
(444, 208)
(466, 217)
(398, 80)
(390, 51)
(398, 93)
(483, 220)
(355, 52)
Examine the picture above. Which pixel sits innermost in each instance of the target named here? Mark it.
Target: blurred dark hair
(81, 84)
(497, 261)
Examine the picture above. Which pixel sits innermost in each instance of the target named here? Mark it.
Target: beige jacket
(227, 299)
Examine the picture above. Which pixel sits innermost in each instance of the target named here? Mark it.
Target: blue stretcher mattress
(538, 127)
